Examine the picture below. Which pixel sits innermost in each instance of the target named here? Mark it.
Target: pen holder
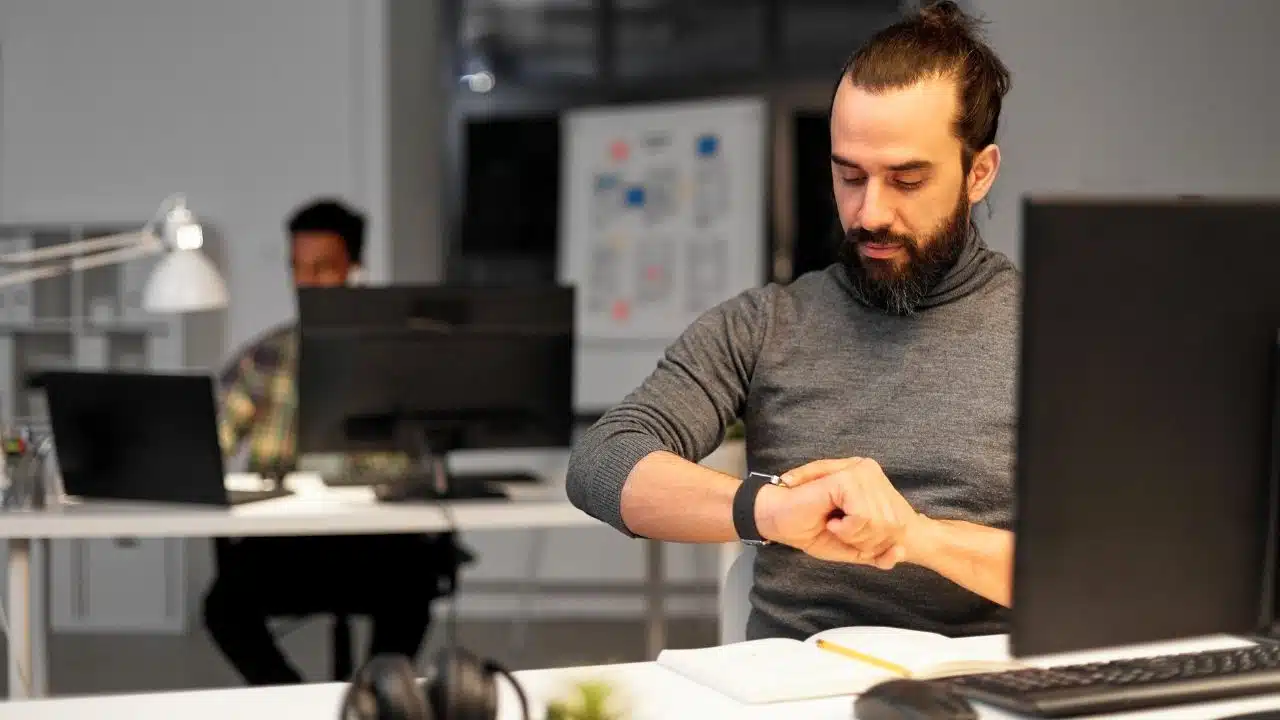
(30, 479)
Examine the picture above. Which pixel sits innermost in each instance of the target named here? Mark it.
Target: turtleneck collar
(976, 265)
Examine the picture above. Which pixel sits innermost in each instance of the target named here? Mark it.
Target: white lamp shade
(184, 281)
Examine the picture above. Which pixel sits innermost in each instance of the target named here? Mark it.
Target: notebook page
(981, 648)
(772, 670)
(965, 656)
(915, 650)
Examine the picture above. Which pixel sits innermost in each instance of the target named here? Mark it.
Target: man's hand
(844, 510)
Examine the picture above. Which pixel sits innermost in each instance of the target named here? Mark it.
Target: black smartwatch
(744, 506)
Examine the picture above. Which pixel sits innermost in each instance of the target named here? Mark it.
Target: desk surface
(335, 511)
(654, 692)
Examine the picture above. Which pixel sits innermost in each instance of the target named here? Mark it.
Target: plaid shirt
(259, 407)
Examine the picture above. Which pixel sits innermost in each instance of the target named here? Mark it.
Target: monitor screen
(434, 368)
(1145, 476)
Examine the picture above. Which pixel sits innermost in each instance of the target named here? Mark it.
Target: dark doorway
(817, 228)
(511, 202)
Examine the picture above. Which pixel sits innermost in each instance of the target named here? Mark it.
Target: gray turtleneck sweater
(814, 373)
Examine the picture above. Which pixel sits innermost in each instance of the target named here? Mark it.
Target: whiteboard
(662, 218)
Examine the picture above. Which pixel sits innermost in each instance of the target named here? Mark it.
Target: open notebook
(854, 659)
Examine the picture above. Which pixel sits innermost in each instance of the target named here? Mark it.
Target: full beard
(898, 286)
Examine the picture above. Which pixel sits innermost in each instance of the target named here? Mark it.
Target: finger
(869, 540)
(834, 550)
(871, 532)
(890, 558)
(892, 520)
(814, 470)
(877, 500)
(846, 527)
(884, 557)
(864, 521)
(870, 553)
(866, 464)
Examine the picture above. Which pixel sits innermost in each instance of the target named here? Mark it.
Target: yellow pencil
(894, 668)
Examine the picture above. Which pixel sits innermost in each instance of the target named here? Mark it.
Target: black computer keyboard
(394, 492)
(1133, 684)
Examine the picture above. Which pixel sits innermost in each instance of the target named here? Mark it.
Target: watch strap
(744, 507)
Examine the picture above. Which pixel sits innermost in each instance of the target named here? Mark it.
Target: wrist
(767, 502)
(922, 539)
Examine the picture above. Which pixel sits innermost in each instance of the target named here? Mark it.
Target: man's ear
(982, 173)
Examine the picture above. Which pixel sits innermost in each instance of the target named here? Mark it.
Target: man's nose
(875, 213)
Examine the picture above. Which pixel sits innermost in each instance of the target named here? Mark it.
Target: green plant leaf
(736, 431)
(589, 701)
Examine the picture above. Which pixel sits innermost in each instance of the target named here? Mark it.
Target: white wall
(1148, 96)
(414, 133)
(248, 106)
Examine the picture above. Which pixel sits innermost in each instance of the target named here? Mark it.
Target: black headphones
(461, 687)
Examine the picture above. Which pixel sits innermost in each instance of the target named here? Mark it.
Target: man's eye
(853, 180)
(909, 184)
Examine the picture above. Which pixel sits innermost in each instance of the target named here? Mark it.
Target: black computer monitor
(427, 370)
(1146, 463)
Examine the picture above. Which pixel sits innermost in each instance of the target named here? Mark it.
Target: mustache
(862, 236)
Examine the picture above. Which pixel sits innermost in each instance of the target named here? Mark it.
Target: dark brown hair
(330, 215)
(938, 40)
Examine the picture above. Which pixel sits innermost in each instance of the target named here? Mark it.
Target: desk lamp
(184, 280)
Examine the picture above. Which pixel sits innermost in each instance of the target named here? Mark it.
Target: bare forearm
(975, 557)
(669, 498)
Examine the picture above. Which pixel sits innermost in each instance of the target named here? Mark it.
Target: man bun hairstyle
(938, 41)
(945, 13)
(330, 215)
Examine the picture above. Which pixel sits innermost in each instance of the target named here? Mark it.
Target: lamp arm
(78, 247)
(146, 235)
(141, 246)
(125, 254)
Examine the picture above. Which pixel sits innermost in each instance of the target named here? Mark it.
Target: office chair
(735, 586)
(342, 664)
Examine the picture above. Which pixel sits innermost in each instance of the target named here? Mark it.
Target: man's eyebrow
(844, 162)
(907, 166)
(911, 165)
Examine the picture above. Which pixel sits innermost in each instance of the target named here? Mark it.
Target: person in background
(264, 577)
(880, 390)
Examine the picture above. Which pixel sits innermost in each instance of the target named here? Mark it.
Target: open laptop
(139, 436)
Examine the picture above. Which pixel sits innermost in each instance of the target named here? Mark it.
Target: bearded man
(879, 392)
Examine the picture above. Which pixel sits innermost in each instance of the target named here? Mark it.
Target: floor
(93, 664)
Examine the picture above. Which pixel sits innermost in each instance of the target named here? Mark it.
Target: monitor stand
(429, 478)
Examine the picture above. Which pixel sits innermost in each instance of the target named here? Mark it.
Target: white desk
(655, 694)
(322, 511)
